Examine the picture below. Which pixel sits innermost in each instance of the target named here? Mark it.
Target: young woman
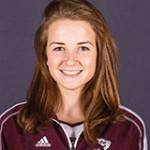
(73, 102)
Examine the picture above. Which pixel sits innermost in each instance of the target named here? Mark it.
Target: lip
(71, 68)
(70, 72)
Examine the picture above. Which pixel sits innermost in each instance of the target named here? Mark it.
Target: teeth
(71, 72)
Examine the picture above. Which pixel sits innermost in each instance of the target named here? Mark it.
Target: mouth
(71, 72)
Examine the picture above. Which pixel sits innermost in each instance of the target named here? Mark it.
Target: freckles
(53, 61)
(89, 61)
(50, 62)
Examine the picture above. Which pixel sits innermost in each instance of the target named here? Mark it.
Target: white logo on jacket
(43, 142)
(104, 143)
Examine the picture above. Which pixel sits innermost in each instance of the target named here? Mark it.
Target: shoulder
(127, 133)
(10, 112)
(8, 125)
(136, 123)
(134, 119)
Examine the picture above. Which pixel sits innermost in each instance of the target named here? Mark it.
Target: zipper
(72, 139)
(72, 142)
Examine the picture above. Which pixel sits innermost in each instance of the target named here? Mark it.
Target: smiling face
(71, 53)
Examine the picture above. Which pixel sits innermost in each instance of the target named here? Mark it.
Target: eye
(58, 49)
(84, 48)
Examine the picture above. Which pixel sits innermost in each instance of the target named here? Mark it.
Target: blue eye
(84, 48)
(58, 49)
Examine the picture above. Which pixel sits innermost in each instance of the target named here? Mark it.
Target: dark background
(129, 21)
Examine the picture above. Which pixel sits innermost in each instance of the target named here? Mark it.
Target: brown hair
(100, 96)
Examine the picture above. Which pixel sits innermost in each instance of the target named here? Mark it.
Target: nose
(71, 57)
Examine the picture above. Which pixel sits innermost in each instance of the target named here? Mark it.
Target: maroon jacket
(126, 135)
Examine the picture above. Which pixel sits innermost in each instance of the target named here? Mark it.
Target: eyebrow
(79, 43)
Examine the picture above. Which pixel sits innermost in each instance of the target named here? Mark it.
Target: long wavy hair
(100, 96)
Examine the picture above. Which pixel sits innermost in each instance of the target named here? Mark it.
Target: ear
(46, 59)
(47, 62)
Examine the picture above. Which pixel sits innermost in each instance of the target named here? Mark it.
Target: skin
(71, 53)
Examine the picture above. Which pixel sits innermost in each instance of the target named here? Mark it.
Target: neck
(70, 110)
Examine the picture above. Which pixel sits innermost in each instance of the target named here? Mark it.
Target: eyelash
(58, 49)
(83, 48)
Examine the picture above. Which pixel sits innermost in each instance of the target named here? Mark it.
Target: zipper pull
(72, 139)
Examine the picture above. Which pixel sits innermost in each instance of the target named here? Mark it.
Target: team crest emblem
(104, 143)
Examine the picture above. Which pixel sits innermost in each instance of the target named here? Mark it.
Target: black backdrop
(130, 24)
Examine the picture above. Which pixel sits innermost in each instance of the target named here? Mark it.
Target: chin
(72, 87)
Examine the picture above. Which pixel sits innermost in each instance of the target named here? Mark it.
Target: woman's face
(71, 53)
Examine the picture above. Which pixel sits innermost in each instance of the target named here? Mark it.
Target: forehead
(70, 30)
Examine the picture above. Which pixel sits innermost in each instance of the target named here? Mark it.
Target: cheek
(90, 66)
(52, 61)
(89, 62)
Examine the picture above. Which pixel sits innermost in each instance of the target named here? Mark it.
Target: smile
(71, 72)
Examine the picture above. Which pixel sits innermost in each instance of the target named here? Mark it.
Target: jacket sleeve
(145, 144)
(3, 145)
(138, 130)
